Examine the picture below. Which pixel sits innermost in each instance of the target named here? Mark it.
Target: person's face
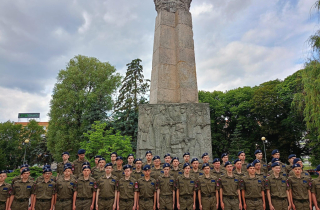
(25, 175)
(81, 156)
(257, 166)
(156, 162)
(276, 169)
(166, 171)
(167, 159)
(86, 172)
(102, 163)
(119, 162)
(251, 170)
(206, 170)
(96, 161)
(242, 156)
(108, 169)
(195, 164)
(186, 158)
(127, 172)
(130, 160)
(67, 172)
(2, 177)
(277, 155)
(300, 163)
(297, 170)
(259, 156)
(291, 160)
(65, 157)
(186, 170)
(216, 164)
(147, 173)
(238, 165)
(205, 159)
(113, 157)
(47, 175)
(175, 163)
(229, 168)
(149, 157)
(225, 159)
(138, 165)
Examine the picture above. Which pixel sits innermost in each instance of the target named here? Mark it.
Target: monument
(174, 122)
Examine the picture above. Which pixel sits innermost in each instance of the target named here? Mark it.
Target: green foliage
(103, 141)
(82, 95)
(35, 172)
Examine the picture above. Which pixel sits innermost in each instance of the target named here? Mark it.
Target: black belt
(278, 198)
(126, 200)
(3, 202)
(22, 199)
(43, 200)
(207, 196)
(146, 199)
(254, 199)
(166, 195)
(231, 197)
(63, 200)
(301, 201)
(106, 199)
(186, 197)
(82, 199)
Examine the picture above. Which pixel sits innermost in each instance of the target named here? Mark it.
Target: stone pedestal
(175, 129)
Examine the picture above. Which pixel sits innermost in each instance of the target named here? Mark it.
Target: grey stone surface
(175, 129)
(172, 5)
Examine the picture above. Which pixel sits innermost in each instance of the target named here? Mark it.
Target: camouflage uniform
(166, 186)
(64, 191)
(299, 188)
(44, 192)
(4, 195)
(208, 187)
(230, 186)
(186, 187)
(278, 191)
(22, 192)
(107, 188)
(253, 192)
(127, 188)
(146, 191)
(85, 190)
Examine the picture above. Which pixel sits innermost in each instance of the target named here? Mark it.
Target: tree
(81, 96)
(103, 141)
(239, 144)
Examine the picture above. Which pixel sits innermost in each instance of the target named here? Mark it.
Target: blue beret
(274, 160)
(25, 170)
(204, 154)
(275, 164)
(186, 153)
(46, 170)
(216, 160)
(296, 160)
(227, 163)
(255, 162)
(156, 157)
(46, 166)
(101, 159)
(318, 168)
(175, 158)
(166, 165)
(224, 154)
(291, 156)
(274, 151)
(3, 172)
(97, 156)
(24, 166)
(138, 159)
(130, 155)
(81, 151)
(108, 164)
(126, 166)
(185, 165)
(205, 165)
(119, 158)
(194, 159)
(237, 160)
(68, 167)
(86, 167)
(239, 153)
(166, 155)
(296, 165)
(249, 165)
(148, 152)
(85, 164)
(146, 167)
(257, 151)
(114, 153)
(65, 153)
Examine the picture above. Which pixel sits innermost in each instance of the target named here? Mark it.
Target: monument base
(174, 128)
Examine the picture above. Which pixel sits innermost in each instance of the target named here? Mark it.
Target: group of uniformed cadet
(170, 185)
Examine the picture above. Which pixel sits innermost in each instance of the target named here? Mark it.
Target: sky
(237, 43)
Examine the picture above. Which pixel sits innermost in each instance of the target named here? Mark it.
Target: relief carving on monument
(172, 5)
(174, 129)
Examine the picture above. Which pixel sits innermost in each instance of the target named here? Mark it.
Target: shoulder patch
(180, 172)
(191, 182)
(212, 180)
(200, 174)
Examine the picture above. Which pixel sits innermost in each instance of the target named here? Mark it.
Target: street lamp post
(264, 146)
(25, 149)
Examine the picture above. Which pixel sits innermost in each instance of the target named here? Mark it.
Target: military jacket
(299, 187)
(60, 167)
(186, 185)
(133, 166)
(5, 188)
(208, 186)
(18, 178)
(127, 188)
(303, 173)
(252, 186)
(316, 188)
(85, 188)
(151, 164)
(240, 175)
(229, 185)
(77, 167)
(283, 168)
(22, 190)
(176, 173)
(45, 190)
(107, 186)
(62, 177)
(261, 176)
(288, 168)
(155, 173)
(278, 186)
(146, 188)
(41, 178)
(166, 185)
(65, 188)
(216, 173)
(118, 173)
(137, 175)
(197, 174)
(244, 166)
(264, 167)
(97, 173)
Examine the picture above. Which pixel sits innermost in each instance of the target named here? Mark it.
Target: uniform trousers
(301, 204)
(83, 204)
(104, 204)
(145, 204)
(17, 205)
(254, 204)
(2, 205)
(279, 203)
(126, 204)
(186, 202)
(166, 202)
(41, 205)
(209, 203)
(231, 202)
(63, 205)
